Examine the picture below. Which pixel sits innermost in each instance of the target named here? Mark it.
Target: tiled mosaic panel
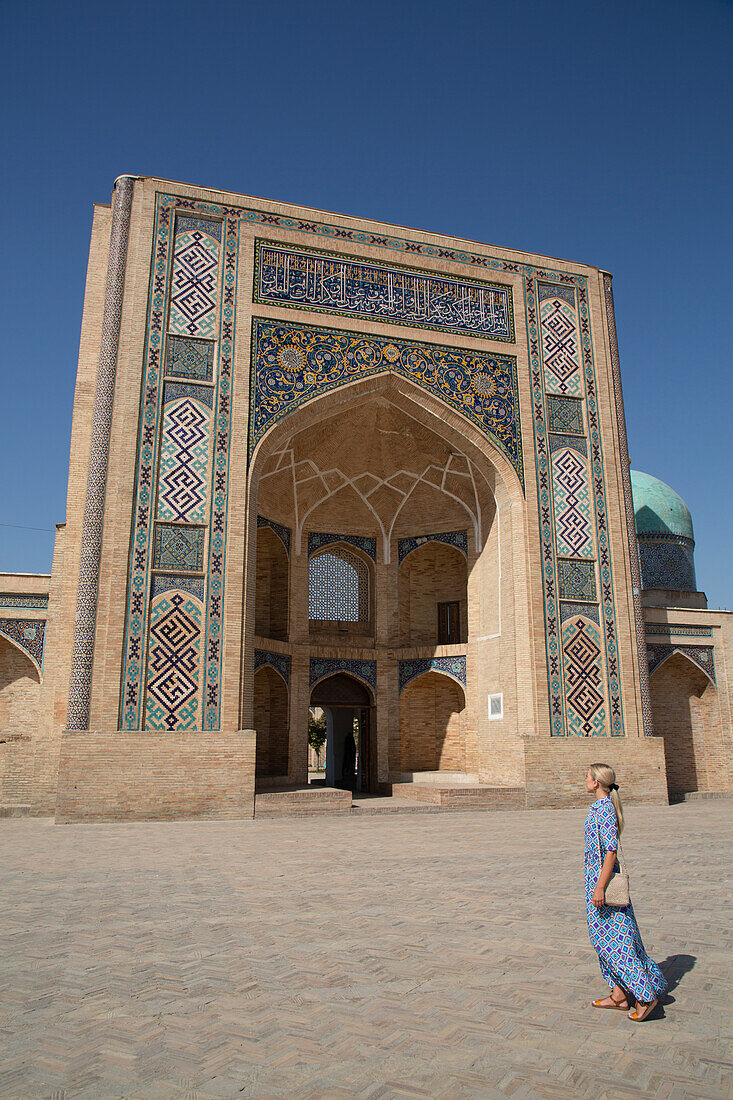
(700, 655)
(279, 661)
(562, 442)
(321, 667)
(292, 364)
(172, 699)
(679, 631)
(559, 329)
(667, 562)
(318, 539)
(572, 505)
(326, 282)
(568, 609)
(180, 549)
(584, 695)
(455, 667)
(168, 582)
(23, 600)
(576, 580)
(194, 284)
(28, 634)
(196, 356)
(188, 358)
(546, 445)
(338, 588)
(458, 539)
(565, 414)
(283, 533)
(183, 476)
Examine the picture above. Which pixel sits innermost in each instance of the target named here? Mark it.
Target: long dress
(613, 931)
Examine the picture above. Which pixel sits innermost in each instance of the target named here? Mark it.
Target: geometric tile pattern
(576, 580)
(318, 539)
(187, 358)
(679, 631)
(169, 582)
(574, 442)
(584, 699)
(560, 345)
(172, 697)
(565, 414)
(571, 302)
(279, 661)
(459, 539)
(338, 587)
(283, 533)
(321, 667)
(184, 462)
(194, 286)
(587, 610)
(327, 282)
(667, 561)
(572, 505)
(700, 655)
(195, 359)
(28, 634)
(18, 599)
(455, 667)
(180, 549)
(293, 364)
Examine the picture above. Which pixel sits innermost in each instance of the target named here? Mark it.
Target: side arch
(433, 735)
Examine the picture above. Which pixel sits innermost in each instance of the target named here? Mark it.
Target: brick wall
(432, 725)
(271, 723)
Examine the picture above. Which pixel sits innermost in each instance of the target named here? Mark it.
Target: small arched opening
(348, 705)
(432, 726)
(271, 605)
(433, 596)
(683, 708)
(271, 722)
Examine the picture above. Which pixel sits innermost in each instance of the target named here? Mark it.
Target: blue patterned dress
(614, 932)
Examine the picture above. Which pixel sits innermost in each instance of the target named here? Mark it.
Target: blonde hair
(604, 776)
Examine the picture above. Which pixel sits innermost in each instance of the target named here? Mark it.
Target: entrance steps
(301, 801)
(461, 796)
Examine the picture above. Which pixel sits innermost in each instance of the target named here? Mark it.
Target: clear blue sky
(599, 132)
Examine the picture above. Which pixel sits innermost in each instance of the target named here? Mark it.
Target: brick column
(646, 703)
(80, 681)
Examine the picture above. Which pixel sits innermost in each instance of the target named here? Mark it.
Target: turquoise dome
(658, 510)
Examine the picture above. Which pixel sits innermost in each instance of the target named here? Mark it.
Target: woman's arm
(599, 894)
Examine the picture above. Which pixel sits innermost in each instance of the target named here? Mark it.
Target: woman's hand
(599, 896)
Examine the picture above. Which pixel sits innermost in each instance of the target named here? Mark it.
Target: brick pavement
(425, 955)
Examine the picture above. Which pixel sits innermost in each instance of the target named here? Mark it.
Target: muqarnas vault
(324, 466)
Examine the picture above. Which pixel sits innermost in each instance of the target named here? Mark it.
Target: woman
(613, 931)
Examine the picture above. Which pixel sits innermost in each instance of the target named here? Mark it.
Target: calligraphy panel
(327, 282)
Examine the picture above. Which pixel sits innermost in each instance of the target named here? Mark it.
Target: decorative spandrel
(292, 364)
(327, 282)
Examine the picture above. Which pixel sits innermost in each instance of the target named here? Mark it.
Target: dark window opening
(449, 623)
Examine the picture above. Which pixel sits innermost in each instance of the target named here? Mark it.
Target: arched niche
(271, 599)
(432, 726)
(433, 598)
(347, 703)
(684, 710)
(271, 716)
(340, 591)
(20, 684)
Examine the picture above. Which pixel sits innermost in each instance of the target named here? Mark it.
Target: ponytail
(606, 779)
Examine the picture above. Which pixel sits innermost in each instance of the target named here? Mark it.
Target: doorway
(350, 758)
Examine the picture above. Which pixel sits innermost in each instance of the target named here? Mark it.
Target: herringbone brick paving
(406, 956)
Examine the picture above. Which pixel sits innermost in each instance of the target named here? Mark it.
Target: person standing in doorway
(613, 931)
(348, 764)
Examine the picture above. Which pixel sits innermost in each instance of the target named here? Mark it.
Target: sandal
(622, 1005)
(646, 1011)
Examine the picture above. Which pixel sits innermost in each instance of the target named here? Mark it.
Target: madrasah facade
(321, 462)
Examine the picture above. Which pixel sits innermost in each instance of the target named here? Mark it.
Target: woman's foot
(611, 1002)
(642, 1011)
